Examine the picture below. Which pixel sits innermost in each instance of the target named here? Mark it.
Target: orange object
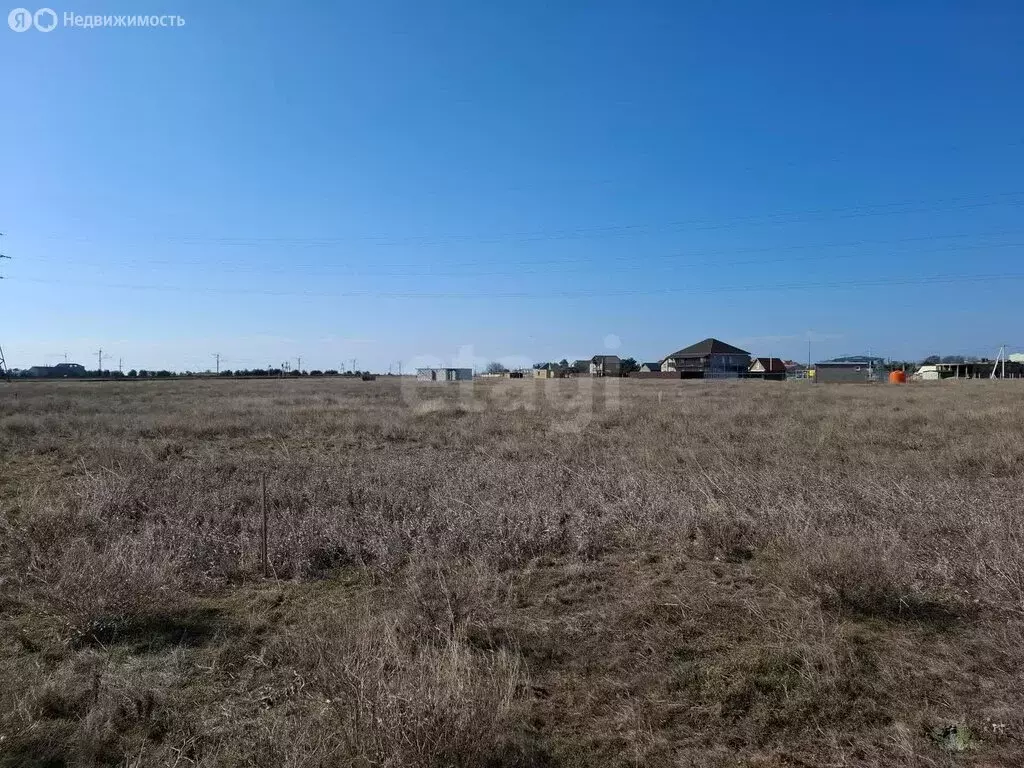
(897, 377)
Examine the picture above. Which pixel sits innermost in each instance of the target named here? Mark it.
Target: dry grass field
(511, 574)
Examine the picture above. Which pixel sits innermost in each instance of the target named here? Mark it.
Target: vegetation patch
(710, 574)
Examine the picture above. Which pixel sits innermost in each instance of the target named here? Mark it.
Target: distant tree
(953, 359)
(628, 365)
(227, 372)
(316, 372)
(496, 367)
(132, 373)
(931, 360)
(163, 374)
(330, 372)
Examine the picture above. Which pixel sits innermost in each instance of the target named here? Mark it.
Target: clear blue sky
(397, 180)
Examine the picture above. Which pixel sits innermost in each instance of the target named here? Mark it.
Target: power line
(633, 262)
(722, 288)
(779, 217)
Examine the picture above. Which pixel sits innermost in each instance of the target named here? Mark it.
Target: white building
(444, 374)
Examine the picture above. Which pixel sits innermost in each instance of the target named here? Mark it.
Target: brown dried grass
(510, 573)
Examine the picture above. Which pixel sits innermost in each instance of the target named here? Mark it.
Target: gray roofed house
(650, 367)
(709, 347)
(605, 365)
(710, 358)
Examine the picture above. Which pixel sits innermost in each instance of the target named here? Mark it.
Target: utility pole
(353, 365)
(120, 364)
(216, 356)
(99, 363)
(399, 367)
(1000, 359)
(298, 367)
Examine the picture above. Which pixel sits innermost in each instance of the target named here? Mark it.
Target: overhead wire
(681, 225)
(515, 268)
(762, 287)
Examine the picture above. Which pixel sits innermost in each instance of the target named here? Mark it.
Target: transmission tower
(4, 370)
(216, 356)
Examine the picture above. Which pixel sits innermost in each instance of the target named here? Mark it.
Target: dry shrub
(868, 576)
(89, 711)
(379, 697)
(94, 575)
(102, 591)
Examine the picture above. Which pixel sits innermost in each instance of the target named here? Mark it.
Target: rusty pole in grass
(263, 543)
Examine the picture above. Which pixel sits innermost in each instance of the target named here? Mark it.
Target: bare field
(627, 573)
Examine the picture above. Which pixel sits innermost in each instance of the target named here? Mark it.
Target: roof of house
(650, 365)
(771, 364)
(603, 358)
(709, 347)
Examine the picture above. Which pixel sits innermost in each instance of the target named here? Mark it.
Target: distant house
(605, 365)
(444, 374)
(580, 366)
(59, 371)
(549, 371)
(650, 367)
(928, 373)
(710, 358)
(841, 372)
(767, 365)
